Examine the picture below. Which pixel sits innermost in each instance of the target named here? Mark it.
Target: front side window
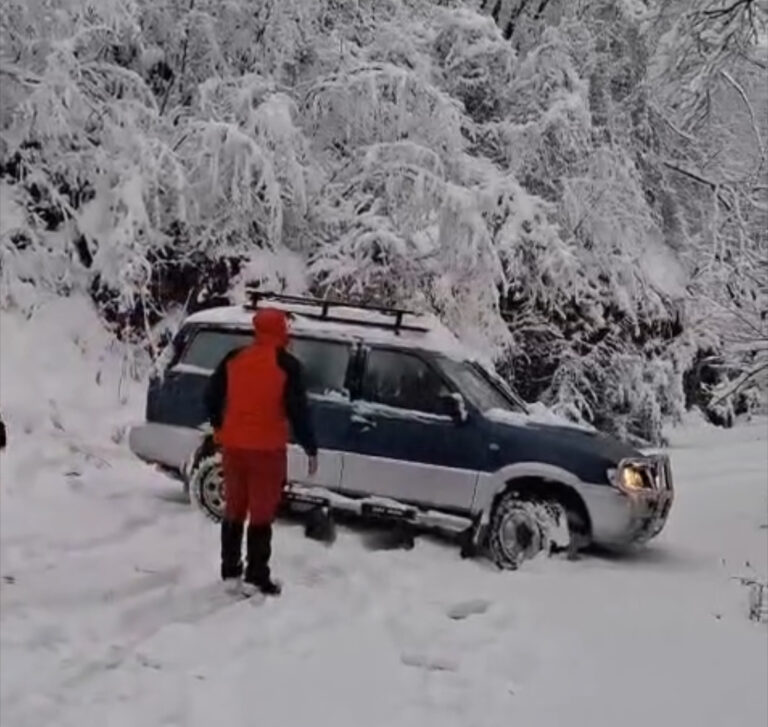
(325, 364)
(478, 387)
(209, 347)
(404, 381)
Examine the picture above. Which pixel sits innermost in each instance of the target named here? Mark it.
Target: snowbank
(62, 374)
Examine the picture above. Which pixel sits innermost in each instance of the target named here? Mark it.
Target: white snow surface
(111, 613)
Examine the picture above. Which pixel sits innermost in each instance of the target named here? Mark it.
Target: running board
(381, 508)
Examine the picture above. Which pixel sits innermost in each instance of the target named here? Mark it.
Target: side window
(325, 364)
(404, 381)
(209, 347)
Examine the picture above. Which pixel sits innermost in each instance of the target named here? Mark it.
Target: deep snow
(111, 614)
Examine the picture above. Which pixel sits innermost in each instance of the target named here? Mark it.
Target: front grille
(658, 472)
(662, 473)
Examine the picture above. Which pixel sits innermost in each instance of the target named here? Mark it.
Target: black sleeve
(216, 392)
(3, 439)
(296, 404)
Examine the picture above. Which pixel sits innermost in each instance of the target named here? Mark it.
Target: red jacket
(257, 393)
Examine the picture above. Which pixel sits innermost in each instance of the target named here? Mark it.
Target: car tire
(206, 486)
(521, 528)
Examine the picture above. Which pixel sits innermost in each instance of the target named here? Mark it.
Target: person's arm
(216, 392)
(297, 405)
(3, 436)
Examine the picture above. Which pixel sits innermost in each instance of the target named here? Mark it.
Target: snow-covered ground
(111, 613)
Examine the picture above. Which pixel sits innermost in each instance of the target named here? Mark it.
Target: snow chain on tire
(522, 528)
(206, 486)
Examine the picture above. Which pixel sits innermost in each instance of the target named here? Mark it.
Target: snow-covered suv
(410, 426)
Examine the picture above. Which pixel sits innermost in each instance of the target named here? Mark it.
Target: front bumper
(625, 517)
(651, 505)
(648, 516)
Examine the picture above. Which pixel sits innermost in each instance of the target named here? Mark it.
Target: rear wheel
(521, 528)
(206, 486)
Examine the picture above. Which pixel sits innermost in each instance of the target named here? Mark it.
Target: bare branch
(755, 127)
(21, 75)
(721, 12)
(763, 366)
(701, 180)
(183, 61)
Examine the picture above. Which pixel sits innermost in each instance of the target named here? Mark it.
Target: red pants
(253, 484)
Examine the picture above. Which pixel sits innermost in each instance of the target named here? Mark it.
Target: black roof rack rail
(256, 296)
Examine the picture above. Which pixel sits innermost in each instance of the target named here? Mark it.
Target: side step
(380, 508)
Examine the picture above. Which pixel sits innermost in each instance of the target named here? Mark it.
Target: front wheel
(522, 528)
(206, 486)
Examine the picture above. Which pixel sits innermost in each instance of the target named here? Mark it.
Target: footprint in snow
(429, 662)
(464, 609)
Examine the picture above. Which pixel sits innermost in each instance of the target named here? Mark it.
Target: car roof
(349, 324)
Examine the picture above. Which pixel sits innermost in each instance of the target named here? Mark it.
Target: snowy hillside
(110, 612)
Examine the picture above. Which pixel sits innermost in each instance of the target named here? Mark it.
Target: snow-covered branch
(600, 177)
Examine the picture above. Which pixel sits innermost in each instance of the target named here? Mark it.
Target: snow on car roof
(436, 336)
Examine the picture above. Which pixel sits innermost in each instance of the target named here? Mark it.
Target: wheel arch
(532, 477)
(579, 519)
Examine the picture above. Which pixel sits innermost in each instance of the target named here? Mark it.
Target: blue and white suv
(410, 426)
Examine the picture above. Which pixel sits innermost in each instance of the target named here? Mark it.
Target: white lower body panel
(165, 444)
(329, 466)
(424, 484)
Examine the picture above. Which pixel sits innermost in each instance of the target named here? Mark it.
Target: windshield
(480, 388)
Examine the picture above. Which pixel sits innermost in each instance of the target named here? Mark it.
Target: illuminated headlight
(631, 478)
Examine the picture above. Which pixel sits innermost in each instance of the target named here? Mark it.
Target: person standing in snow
(253, 397)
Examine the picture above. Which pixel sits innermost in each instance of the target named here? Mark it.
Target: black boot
(231, 549)
(259, 551)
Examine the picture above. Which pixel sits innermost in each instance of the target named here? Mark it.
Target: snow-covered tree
(564, 183)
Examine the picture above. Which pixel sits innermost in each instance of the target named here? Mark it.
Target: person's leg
(233, 523)
(267, 478)
(257, 571)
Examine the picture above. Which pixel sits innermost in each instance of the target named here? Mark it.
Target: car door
(327, 366)
(403, 443)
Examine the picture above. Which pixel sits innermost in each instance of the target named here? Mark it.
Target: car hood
(564, 435)
(597, 443)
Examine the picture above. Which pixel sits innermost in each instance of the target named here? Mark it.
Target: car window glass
(325, 364)
(404, 381)
(477, 387)
(209, 347)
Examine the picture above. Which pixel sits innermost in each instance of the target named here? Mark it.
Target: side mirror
(455, 407)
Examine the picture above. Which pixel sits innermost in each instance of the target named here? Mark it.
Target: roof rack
(325, 312)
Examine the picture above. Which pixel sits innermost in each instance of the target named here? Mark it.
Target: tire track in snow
(145, 622)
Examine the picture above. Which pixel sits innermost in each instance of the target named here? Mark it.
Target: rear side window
(209, 347)
(325, 364)
(404, 381)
